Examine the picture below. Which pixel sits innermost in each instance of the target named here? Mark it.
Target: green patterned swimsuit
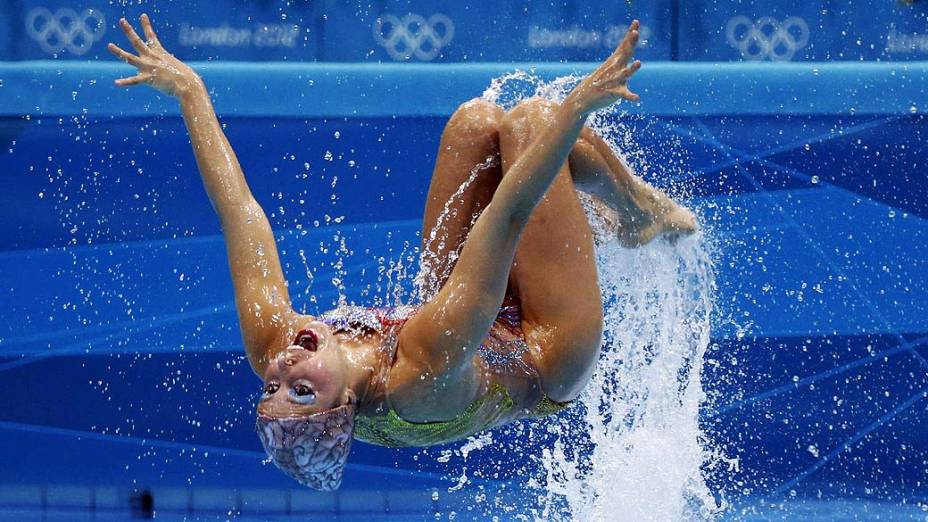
(503, 345)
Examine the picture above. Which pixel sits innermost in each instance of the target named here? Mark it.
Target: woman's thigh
(467, 172)
(554, 271)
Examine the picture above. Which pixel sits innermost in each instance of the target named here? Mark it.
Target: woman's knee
(532, 107)
(476, 117)
(527, 117)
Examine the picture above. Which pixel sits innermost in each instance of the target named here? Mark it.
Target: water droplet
(814, 180)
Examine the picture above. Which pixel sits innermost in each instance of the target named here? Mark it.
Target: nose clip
(284, 359)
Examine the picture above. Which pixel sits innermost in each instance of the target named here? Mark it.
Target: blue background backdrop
(349, 31)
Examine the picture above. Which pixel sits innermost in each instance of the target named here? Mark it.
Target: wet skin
(531, 239)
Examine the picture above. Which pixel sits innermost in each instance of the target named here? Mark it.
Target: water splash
(509, 89)
(634, 445)
(640, 413)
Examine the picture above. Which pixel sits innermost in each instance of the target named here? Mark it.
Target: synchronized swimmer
(512, 326)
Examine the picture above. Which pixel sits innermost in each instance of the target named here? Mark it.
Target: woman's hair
(312, 449)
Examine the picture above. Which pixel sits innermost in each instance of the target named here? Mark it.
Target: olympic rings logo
(767, 38)
(413, 35)
(65, 29)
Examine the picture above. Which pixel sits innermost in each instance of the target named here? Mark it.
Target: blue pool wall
(808, 177)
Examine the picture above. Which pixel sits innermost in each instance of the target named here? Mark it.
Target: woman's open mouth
(307, 339)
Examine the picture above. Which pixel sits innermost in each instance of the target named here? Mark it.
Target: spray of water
(633, 449)
(639, 416)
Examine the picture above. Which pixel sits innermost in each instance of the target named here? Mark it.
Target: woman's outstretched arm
(442, 337)
(261, 295)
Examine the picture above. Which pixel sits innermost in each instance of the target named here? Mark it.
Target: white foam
(641, 410)
(635, 449)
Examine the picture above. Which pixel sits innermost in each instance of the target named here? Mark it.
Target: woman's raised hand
(608, 83)
(156, 66)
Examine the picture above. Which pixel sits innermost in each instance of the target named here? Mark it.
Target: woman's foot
(641, 212)
(672, 225)
(646, 213)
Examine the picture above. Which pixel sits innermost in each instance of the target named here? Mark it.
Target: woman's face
(309, 376)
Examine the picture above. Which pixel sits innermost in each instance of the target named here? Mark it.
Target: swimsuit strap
(386, 321)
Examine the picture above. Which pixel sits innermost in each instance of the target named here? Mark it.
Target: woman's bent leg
(467, 171)
(554, 270)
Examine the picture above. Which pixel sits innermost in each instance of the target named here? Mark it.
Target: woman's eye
(303, 394)
(270, 388)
